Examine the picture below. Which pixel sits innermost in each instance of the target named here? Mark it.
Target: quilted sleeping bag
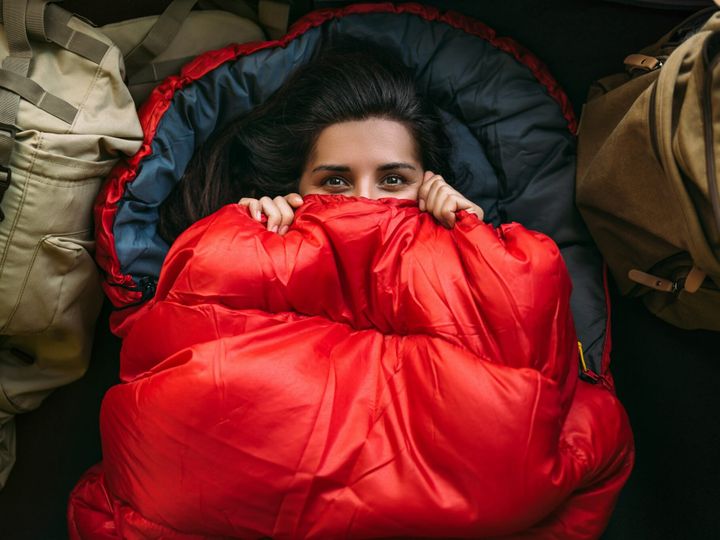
(368, 375)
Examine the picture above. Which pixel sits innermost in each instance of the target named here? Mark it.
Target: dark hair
(265, 151)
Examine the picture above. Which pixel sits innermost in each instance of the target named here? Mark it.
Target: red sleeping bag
(369, 374)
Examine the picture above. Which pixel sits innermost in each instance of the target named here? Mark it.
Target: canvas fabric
(50, 294)
(647, 181)
(157, 46)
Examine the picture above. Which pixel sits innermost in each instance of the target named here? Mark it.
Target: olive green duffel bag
(65, 118)
(647, 182)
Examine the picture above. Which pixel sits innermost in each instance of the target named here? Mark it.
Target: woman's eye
(393, 180)
(335, 181)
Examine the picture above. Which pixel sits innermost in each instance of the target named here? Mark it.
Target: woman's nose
(364, 187)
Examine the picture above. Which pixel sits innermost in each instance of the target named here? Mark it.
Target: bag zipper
(587, 374)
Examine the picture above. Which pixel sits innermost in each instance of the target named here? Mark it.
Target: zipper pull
(586, 374)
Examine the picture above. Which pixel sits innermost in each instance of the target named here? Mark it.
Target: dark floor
(667, 378)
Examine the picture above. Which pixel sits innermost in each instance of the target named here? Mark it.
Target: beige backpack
(158, 46)
(65, 118)
(648, 184)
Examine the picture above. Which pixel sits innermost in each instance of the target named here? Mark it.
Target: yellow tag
(582, 357)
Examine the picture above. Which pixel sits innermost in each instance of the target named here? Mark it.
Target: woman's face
(372, 158)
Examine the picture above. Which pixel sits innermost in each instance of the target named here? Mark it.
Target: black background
(666, 377)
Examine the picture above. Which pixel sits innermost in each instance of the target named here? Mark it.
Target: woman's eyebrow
(333, 168)
(396, 165)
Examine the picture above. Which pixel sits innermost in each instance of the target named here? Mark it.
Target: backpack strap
(41, 21)
(58, 31)
(272, 15)
(159, 37)
(16, 63)
(240, 8)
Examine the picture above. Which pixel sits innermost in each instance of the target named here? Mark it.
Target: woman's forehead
(375, 140)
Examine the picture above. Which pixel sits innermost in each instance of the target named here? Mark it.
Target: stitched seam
(90, 87)
(13, 227)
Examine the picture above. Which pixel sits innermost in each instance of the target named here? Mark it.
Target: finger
(442, 203)
(439, 187)
(478, 211)
(272, 212)
(253, 206)
(287, 214)
(295, 200)
(449, 209)
(425, 187)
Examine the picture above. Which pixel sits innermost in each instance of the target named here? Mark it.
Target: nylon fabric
(514, 157)
(369, 374)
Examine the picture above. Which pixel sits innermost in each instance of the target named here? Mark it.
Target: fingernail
(258, 216)
(283, 230)
(421, 205)
(274, 229)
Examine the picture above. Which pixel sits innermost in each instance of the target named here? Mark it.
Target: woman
(351, 122)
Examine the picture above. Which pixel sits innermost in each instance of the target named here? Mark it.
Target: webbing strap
(160, 35)
(273, 16)
(157, 71)
(17, 63)
(58, 31)
(713, 65)
(35, 19)
(238, 7)
(37, 95)
(44, 21)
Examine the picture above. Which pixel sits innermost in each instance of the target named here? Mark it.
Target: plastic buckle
(5, 178)
(8, 129)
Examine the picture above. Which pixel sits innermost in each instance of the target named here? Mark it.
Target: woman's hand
(441, 200)
(279, 211)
